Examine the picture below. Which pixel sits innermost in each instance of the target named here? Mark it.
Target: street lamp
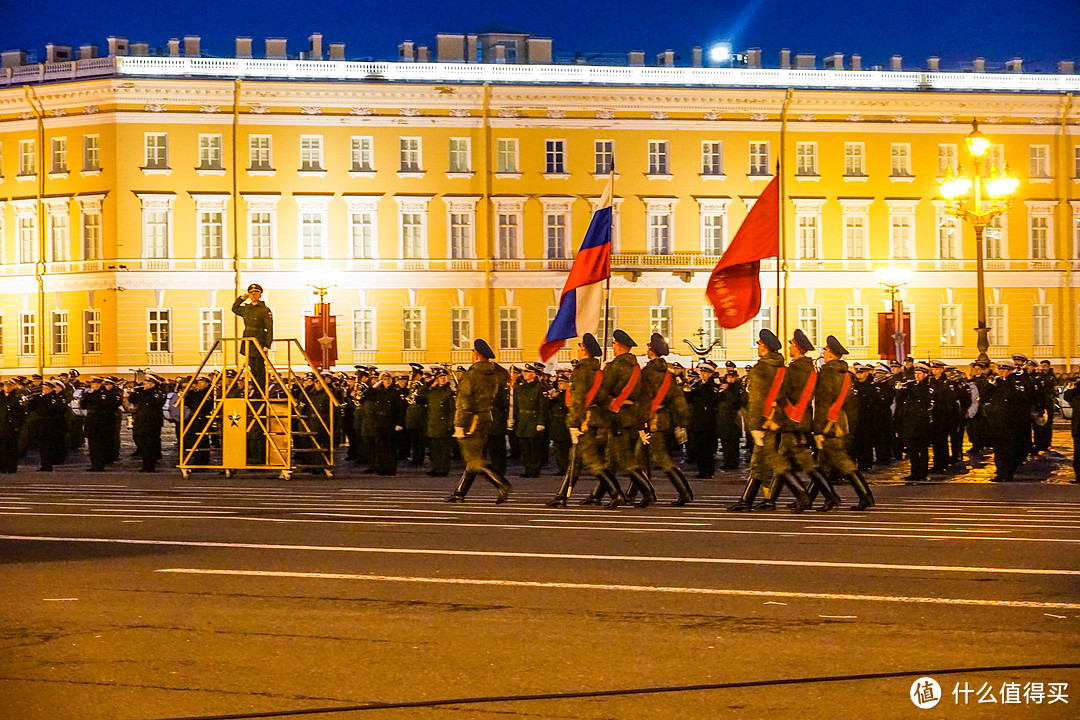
(978, 199)
(892, 279)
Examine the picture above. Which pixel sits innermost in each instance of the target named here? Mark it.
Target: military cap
(859, 367)
(97, 379)
(202, 378)
(111, 380)
(228, 373)
(801, 341)
(254, 286)
(417, 367)
(835, 347)
(35, 376)
(707, 365)
(59, 384)
(1032, 363)
(439, 372)
(677, 365)
(531, 367)
(73, 373)
(730, 364)
(515, 369)
(10, 381)
(621, 337)
(922, 367)
(982, 363)
(459, 368)
(21, 379)
(151, 377)
(1044, 362)
(768, 338)
(882, 367)
(1019, 359)
(909, 359)
(483, 349)
(894, 364)
(937, 364)
(588, 341)
(658, 344)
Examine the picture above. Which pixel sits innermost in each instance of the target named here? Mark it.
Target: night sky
(1039, 31)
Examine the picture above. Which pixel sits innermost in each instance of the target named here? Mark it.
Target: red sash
(770, 399)
(592, 391)
(617, 403)
(834, 409)
(796, 412)
(660, 394)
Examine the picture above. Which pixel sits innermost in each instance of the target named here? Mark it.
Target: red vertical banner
(314, 332)
(886, 323)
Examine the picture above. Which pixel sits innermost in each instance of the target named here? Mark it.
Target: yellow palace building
(442, 198)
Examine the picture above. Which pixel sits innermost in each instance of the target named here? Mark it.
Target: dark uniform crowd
(802, 425)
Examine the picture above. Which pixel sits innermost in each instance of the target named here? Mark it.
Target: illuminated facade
(444, 202)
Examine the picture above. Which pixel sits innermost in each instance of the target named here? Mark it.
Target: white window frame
(1075, 204)
(361, 155)
(27, 245)
(759, 159)
(460, 227)
(257, 205)
(951, 325)
(58, 248)
(508, 235)
(27, 158)
(154, 204)
(408, 206)
(91, 331)
(1040, 223)
(155, 151)
(998, 333)
(659, 225)
(211, 327)
(947, 158)
(714, 225)
(1000, 245)
(810, 317)
(506, 156)
(156, 320)
(311, 154)
(260, 153)
(603, 157)
(851, 211)
(59, 332)
(1042, 325)
(902, 216)
(660, 158)
(855, 159)
(363, 227)
(461, 328)
(557, 232)
(210, 221)
(509, 327)
(460, 156)
(661, 321)
(410, 154)
(91, 228)
(413, 336)
(806, 161)
(947, 228)
(712, 158)
(91, 153)
(994, 159)
(856, 325)
(27, 334)
(210, 152)
(555, 157)
(808, 222)
(1039, 162)
(364, 329)
(59, 156)
(762, 321)
(712, 328)
(900, 167)
(312, 221)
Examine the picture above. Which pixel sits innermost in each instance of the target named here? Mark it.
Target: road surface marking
(627, 588)
(547, 556)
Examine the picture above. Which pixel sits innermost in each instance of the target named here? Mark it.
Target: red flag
(734, 288)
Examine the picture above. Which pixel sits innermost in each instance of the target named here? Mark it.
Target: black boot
(746, 502)
(802, 498)
(501, 485)
(681, 486)
(866, 498)
(648, 494)
(768, 501)
(462, 488)
(811, 490)
(832, 499)
(612, 486)
(593, 498)
(564, 492)
(866, 487)
(686, 483)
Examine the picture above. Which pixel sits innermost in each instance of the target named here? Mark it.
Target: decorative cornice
(209, 108)
(465, 112)
(711, 115)
(311, 110)
(259, 109)
(155, 107)
(361, 111)
(409, 112)
(605, 114)
(759, 117)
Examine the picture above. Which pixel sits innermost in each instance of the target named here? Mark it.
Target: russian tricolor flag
(583, 294)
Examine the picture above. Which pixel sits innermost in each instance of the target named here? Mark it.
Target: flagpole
(607, 282)
(783, 224)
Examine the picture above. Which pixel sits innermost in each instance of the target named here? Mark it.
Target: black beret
(800, 340)
(485, 351)
(588, 341)
(835, 347)
(659, 345)
(768, 338)
(623, 339)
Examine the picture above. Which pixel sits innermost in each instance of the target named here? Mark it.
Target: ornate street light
(978, 199)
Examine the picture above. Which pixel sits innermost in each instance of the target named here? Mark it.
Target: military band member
(914, 414)
(50, 410)
(665, 412)
(12, 415)
(416, 414)
(946, 417)
(1071, 396)
(101, 410)
(531, 417)
(976, 427)
(386, 415)
(439, 400)
(199, 406)
(1008, 421)
(148, 400)
(258, 324)
(703, 398)
(478, 393)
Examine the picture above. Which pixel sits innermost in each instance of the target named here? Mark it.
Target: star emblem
(234, 420)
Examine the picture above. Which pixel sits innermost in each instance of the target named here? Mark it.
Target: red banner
(313, 340)
(886, 335)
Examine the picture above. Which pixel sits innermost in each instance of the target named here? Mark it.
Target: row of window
(412, 224)
(413, 327)
(362, 154)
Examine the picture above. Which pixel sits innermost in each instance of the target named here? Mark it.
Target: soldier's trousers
(1076, 458)
(416, 447)
(619, 452)
(863, 448)
(149, 445)
(976, 430)
(9, 453)
(496, 451)
(474, 446)
(531, 455)
(1008, 453)
(702, 449)
(99, 447)
(833, 457)
(591, 450)
(766, 459)
(440, 455)
(795, 453)
(386, 456)
(1044, 435)
(918, 452)
(956, 442)
(656, 455)
(941, 447)
(560, 450)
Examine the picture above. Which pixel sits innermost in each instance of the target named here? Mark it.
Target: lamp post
(990, 195)
(892, 279)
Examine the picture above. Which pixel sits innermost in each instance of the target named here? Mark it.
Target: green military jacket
(798, 374)
(440, 411)
(258, 321)
(531, 408)
(672, 411)
(581, 382)
(758, 382)
(478, 392)
(830, 393)
(617, 374)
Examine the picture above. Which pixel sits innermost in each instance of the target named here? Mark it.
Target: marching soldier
(12, 414)
(439, 400)
(531, 418)
(620, 396)
(665, 412)
(915, 419)
(148, 401)
(258, 324)
(478, 393)
(763, 382)
(588, 434)
(831, 427)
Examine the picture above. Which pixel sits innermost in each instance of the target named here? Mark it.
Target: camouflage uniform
(760, 381)
(624, 421)
(671, 412)
(478, 392)
(832, 396)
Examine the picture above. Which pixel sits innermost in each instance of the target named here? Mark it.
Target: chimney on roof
(88, 51)
(896, 62)
(140, 49)
(539, 50)
(834, 61)
(696, 56)
(1066, 67)
(406, 51)
(117, 46)
(635, 58)
(932, 63)
(805, 61)
(174, 47)
(57, 53)
(1015, 65)
(12, 58)
(243, 47)
(191, 46)
(450, 47)
(315, 46)
(337, 51)
(979, 64)
(666, 58)
(785, 59)
(500, 53)
(423, 54)
(856, 61)
(753, 58)
(276, 48)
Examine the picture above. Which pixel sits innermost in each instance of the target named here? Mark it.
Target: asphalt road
(132, 596)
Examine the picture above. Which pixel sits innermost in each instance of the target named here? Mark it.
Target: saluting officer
(148, 401)
(478, 391)
(665, 411)
(258, 324)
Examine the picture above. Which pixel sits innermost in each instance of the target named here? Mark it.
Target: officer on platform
(258, 324)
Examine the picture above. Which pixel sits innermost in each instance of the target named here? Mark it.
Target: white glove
(644, 436)
(819, 440)
(397, 428)
(680, 435)
(759, 437)
(540, 428)
(575, 433)
(459, 432)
